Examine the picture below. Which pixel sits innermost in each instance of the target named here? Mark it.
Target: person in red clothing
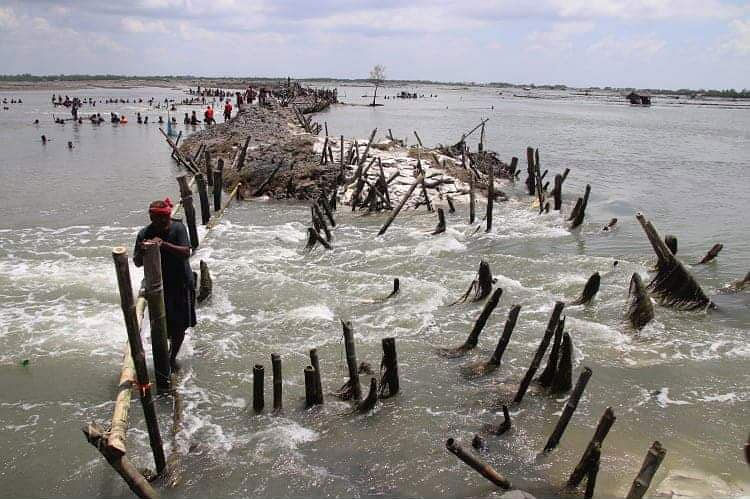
(227, 110)
(208, 115)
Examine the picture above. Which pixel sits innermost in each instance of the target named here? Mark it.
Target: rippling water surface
(684, 380)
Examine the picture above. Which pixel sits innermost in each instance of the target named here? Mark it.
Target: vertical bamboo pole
(157, 313)
(351, 361)
(120, 257)
(218, 184)
(203, 195)
(277, 383)
(186, 194)
(258, 372)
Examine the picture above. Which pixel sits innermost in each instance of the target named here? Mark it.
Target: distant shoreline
(74, 82)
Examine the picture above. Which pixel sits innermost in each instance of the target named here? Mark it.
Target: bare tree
(377, 77)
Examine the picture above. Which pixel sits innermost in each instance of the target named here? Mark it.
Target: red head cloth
(161, 207)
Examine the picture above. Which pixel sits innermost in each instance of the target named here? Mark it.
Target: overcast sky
(624, 43)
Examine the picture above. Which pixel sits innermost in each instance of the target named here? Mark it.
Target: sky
(620, 43)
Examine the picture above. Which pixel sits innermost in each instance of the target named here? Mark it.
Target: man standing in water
(179, 285)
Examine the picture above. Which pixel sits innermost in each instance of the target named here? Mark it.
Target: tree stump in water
(581, 212)
(589, 290)
(640, 310)
(389, 385)
(503, 427)
(563, 379)
(481, 286)
(372, 398)
(352, 388)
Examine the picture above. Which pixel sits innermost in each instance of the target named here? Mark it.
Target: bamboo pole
(650, 465)
(490, 194)
(278, 404)
(367, 149)
(97, 436)
(218, 184)
(258, 372)
(217, 217)
(477, 464)
(395, 213)
(351, 361)
(120, 257)
(154, 294)
(186, 195)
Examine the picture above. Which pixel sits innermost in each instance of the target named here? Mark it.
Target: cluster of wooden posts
(555, 379)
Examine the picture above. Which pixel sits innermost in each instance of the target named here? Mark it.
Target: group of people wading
(208, 115)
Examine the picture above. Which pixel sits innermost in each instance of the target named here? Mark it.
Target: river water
(684, 380)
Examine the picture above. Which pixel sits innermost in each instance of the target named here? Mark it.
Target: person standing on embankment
(179, 286)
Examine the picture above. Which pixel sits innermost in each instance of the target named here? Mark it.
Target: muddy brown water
(684, 380)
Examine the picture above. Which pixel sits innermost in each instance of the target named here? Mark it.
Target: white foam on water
(662, 398)
(313, 312)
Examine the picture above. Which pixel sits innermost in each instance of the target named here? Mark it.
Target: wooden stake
(372, 398)
(440, 228)
(650, 465)
(591, 472)
(473, 339)
(209, 168)
(395, 213)
(605, 423)
(367, 149)
(309, 387)
(389, 384)
(120, 257)
(157, 313)
(472, 200)
(278, 404)
(258, 372)
(218, 184)
(187, 205)
(477, 464)
(352, 387)
(540, 352)
(563, 379)
(260, 189)
(315, 362)
(203, 195)
(548, 375)
(570, 407)
(490, 196)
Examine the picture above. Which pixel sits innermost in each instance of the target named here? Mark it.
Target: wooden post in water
(157, 313)
(602, 429)
(218, 184)
(120, 257)
(472, 200)
(203, 195)
(477, 464)
(209, 167)
(570, 407)
(278, 404)
(389, 366)
(186, 194)
(309, 386)
(548, 333)
(490, 194)
(315, 361)
(258, 372)
(530, 179)
(351, 361)
(648, 469)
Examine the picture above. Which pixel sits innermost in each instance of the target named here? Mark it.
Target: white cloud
(8, 19)
(559, 36)
(739, 42)
(132, 25)
(647, 9)
(614, 46)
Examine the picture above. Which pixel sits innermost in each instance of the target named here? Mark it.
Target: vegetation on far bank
(27, 77)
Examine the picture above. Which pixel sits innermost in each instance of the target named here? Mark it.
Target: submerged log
(389, 384)
(712, 253)
(602, 429)
(650, 465)
(568, 410)
(589, 290)
(673, 286)
(473, 339)
(477, 464)
(206, 283)
(497, 356)
(640, 310)
(551, 325)
(481, 286)
(372, 398)
(97, 436)
(440, 228)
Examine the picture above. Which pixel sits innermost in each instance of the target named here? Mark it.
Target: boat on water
(639, 99)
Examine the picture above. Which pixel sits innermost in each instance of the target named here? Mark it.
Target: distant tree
(377, 77)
